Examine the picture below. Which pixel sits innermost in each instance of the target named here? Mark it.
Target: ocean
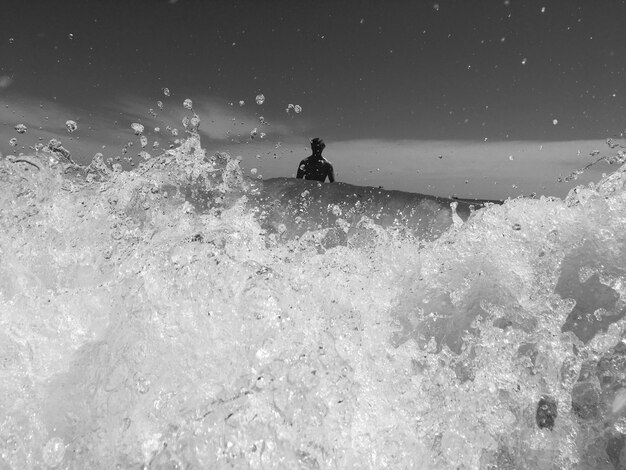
(181, 315)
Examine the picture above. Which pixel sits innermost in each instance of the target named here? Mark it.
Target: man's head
(317, 145)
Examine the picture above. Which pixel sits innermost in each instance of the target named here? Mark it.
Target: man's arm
(331, 173)
(300, 173)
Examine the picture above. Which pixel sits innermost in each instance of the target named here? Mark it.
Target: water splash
(163, 317)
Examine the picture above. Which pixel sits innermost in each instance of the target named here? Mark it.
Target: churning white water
(140, 328)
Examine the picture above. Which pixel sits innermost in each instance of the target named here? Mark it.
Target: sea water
(180, 315)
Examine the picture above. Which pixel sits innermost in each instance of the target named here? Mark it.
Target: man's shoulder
(327, 161)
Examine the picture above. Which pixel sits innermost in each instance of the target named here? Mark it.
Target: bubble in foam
(70, 125)
(188, 104)
(195, 122)
(260, 99)
(620, 425)
(166, 91)
(20, 128)
(13, 142)
(54, 452)
(137, 128)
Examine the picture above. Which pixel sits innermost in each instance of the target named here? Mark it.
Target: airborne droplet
(260, 99)
(166, 91)
(71, 125)
(137, 128)
(20, 128)
(188, 104)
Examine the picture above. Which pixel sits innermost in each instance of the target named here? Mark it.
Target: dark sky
(430, 70)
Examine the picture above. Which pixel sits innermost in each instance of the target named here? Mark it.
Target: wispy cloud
(220, 121)
(480, 169)
(106, 128)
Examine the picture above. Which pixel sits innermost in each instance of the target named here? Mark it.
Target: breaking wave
(180, 315)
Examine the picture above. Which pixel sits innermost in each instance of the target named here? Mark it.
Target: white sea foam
(154, 317)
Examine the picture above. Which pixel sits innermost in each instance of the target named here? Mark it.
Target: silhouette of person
(316, 167)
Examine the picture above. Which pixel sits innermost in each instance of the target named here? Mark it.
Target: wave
(182, 315)
(294, 207)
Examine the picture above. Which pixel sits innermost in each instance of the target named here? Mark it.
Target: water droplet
(253, 171)
(20, 128)
(54, 452)
(71, 125)
(555, 121)
(174, 132)
(71, 36)
(297, 108)
(436, 7)
(524, 61)
(543, 9)
(160, 104)
(241, 102)
(166, 91)
(253, 133)
(260, 99)
(187, 104)
(11, 40)
(144, 141)
(511, 157)
(262, 135)
(137, 128)
(13, 142)
(194, 123)
(157, 129)
(155, 145)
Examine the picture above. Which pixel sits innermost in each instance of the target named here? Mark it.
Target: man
(316, 167)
